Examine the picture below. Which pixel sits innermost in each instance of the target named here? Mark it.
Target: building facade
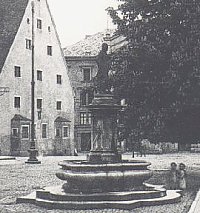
(81, 71)
(25, 23)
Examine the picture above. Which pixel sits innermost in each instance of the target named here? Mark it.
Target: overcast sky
(76, 18)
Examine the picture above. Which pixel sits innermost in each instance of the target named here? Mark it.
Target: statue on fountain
(101, 80)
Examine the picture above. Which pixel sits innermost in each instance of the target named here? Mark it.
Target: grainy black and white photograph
(99, 106)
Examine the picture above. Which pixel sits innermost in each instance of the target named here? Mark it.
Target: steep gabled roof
(11, 14)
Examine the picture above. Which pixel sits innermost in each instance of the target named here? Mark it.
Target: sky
(75, 19)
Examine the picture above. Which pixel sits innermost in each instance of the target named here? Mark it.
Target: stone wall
(153, 148)
(162, 147)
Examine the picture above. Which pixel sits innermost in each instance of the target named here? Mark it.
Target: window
(17, 102)
(15, 132)
(44, 130)
(39, 23)
(85, 118)
(87, 74)
(28, 21)
(90, 97)
(49, 50)
(58, 105)
(49, 28)
(25, 132)
(39, 103)
(17, 71)
(58, 132)
(28, 44)
(65, 131)
(86, 97)
(59, 79)
(89, 118)
(83, 98)
(39, 75)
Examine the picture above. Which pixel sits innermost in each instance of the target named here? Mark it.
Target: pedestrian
(75, 152)
(133, 150)
(133, 143)
(181, 176)
(140, 152)
(172, 178)
(137, 148)
(143, 148)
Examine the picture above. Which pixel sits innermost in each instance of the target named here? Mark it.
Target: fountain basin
(82, 176)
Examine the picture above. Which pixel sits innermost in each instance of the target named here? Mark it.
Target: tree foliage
(157, 71)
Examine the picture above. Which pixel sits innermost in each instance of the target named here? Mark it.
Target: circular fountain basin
(82, 176)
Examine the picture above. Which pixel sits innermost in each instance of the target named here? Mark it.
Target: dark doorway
(85, 141)
(20, 135)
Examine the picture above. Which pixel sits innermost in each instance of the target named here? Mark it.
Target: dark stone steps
(171, 197)
(58, 195)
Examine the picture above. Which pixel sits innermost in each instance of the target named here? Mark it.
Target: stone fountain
(104, 171)
(104, 180)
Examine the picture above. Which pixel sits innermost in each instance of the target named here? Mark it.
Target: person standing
(133, 149)
(143, 148)
(172, 178)
(133, 143)
(181, 176)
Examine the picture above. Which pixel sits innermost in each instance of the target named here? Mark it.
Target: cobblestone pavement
(18, 179)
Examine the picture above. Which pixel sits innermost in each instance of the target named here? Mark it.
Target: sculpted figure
(102, 79)
(98, 140)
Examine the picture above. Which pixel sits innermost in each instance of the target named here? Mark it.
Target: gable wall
(47, 89)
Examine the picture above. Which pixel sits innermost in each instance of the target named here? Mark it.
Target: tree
(158, 70)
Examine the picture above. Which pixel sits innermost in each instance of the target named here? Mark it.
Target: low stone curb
(195, 203)
(7, 158)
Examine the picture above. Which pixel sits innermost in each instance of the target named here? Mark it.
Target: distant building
(54, 101)
(81, 72)
(82, 68)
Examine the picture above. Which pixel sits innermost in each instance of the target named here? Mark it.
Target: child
(173, 176)
(181, 176)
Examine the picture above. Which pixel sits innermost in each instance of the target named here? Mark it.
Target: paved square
(18, 179)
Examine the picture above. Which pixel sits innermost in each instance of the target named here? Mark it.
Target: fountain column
(104, 110)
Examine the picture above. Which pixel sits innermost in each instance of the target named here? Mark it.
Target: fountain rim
(85, 163)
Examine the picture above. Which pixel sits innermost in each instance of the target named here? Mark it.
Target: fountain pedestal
(104, 110)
